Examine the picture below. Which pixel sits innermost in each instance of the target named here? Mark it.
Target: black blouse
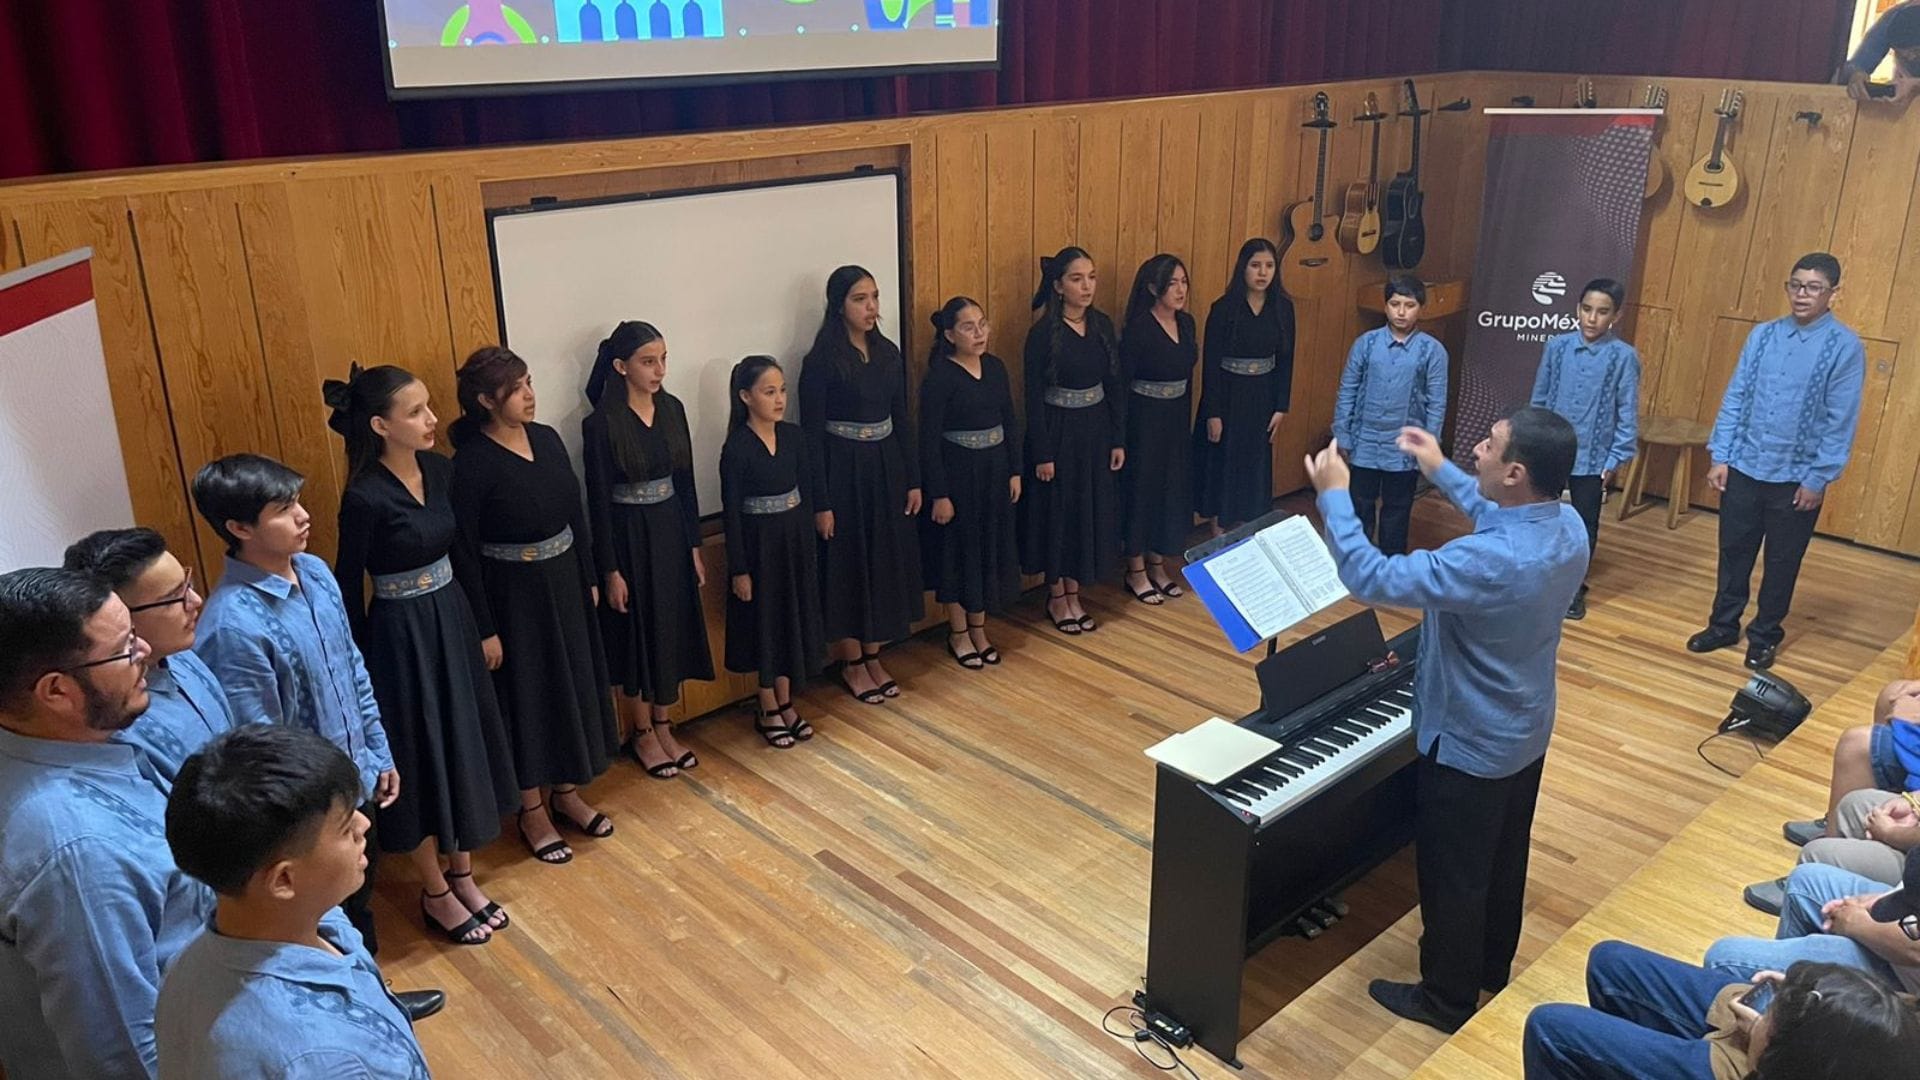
(747, 470)
(1082, 361)
(1146, 352)
(383, 530)
(604, 471)
(868, 392)
(500, 497)
(952, 400)
(1233, 330)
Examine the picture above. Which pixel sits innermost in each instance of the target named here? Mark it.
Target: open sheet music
(1277, 577)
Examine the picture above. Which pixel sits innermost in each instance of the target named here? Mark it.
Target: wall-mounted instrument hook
(1524, 101)
(1812, 118)
(1458, 106)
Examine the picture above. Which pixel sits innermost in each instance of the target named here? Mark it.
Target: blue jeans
(1648, 1016)
(1809, 888)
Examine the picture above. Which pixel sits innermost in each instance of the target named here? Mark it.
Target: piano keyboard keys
(1321, 754)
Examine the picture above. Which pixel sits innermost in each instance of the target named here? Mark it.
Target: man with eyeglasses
(93, 910)
(1785, 428)
(188, 708)
(1902, 906)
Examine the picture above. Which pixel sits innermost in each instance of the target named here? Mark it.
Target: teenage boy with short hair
(1396, 377)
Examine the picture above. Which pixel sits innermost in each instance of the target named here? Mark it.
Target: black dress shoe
(1405, 1001)
(1578, 609)
(1761, 657)
(1710, 639)
(420, 1004)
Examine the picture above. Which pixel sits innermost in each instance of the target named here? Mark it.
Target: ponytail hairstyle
(366, 393)
(943, 320)
(488, 372)
(831, 339)
(1052, 269)
(625, 340)
(626, 435)
(745, 374)
(1150, 283)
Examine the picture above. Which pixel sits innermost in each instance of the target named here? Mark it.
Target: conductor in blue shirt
(1484, 693)
(1785, 429)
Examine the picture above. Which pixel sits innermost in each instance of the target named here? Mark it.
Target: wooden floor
(955, 884)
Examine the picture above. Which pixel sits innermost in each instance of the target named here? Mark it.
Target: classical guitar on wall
(1656, 166)
(1713, 181)
(1360, 211)
(1403, 239)
(1310, 256)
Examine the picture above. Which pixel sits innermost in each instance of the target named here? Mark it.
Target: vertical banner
(60, 463)
(1562, 207)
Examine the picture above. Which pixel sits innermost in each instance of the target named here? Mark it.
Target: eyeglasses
(137, 650)
(177, 596)
(1910, 926)
(1807, 288)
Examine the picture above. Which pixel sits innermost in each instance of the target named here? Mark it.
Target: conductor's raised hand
(1327, 469)
(1422, 447)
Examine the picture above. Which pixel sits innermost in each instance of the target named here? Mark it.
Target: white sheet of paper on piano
(1212, 751)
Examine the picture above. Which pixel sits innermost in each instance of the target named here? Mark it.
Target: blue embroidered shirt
(1494, 600)
(1790, 412)
(239, 1008)
(1596, 386)
(285, 654)
(93, 911)
(1388, 385)
(188, 710)
(1876, 44)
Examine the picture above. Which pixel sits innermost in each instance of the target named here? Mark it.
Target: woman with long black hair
(421, 645)
(1245, 391)
(972, 468)
(853, 405)
(1076, 421)
(646, 519)
(1158, 351)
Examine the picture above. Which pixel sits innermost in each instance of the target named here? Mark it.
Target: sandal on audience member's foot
(686, 760)
(593, 829)
(1150, 596)
(459, 935)
(552, 854)
(989, 654)
(778, 736)
(798, 725)
(659, 770)
(1066, 624)
(971, 659)
(887, 686)
(490, 912)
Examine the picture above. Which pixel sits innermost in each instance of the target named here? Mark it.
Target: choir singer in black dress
(518, 505)
(1245, 391)
(1076, 422)
(853, 405)
(645, 515)
(767, 488)
(971, 465)
(421, 645)
(1158, 351)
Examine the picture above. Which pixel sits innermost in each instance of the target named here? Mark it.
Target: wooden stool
(1681, 434)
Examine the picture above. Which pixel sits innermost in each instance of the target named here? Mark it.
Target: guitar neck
(1415, 171)
(1320, 180)
(1373, 170)
(1719, 143)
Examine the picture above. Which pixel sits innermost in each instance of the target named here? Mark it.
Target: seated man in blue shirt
(188, 707)
(1592, 378)
(92, 909)
(1896, 32)
(280, 985)
(1396, 376)
(1785, 428)
(1483, 692)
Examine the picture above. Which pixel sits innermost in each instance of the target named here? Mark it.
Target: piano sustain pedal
(1307, 928)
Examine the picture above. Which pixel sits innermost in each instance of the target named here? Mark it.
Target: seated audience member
(1825, 918)
(1653, 1016)
(93, 910)
(1901, 907)
(1883, 755)
(1876, 830)
(188, 707)
(280, 985)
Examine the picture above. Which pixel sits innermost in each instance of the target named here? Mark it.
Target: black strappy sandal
(887, 689)
(685, 761)
(665, 770)
(989, 655)
(865, 697)
(798, 725)
(773, 733)
(591, 829)
(459, 935)
(1067, 626)
(553, 854)
(488, 913)
(1151, 597)
(971, 659)
(1087, 625)
(1171, 590)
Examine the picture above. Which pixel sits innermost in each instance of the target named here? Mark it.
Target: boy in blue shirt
(280, 984)
(1396, 377)
(1592, 378)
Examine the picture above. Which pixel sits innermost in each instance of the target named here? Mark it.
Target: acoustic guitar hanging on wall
(1403, 240)
(1309, 253)
(1360, 213)
(1713, 181)
(1656, 165)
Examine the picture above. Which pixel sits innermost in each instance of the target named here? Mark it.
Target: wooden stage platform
(955, 884)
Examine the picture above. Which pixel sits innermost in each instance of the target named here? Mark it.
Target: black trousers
(358, 908)
(1471, 839)
(1753, 514)
(1584, 492)
(1394, 492)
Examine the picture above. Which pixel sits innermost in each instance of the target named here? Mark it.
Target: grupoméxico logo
(1549, 289)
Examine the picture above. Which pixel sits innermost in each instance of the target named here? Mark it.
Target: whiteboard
(723, 274)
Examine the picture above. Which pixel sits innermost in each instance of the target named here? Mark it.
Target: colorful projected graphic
(638, 20)
(898, 14)
(487, 23)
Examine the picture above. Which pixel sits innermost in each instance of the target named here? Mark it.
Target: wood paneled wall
(228, 293)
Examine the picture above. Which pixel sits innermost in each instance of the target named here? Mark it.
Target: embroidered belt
(1166, 391)
(770, 504)
(644, 494)
(983, 439)
(1240, 365)
(411, 583)
(1063, 398)
(551, 547)
(848, 429)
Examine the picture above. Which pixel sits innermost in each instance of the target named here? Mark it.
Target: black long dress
(973, 560)
(1156, 496)
(779, 631)
(552, 680)
(870, 571)
(1233, 478)
(423, 656)
(1069, 527)
(661, 640)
